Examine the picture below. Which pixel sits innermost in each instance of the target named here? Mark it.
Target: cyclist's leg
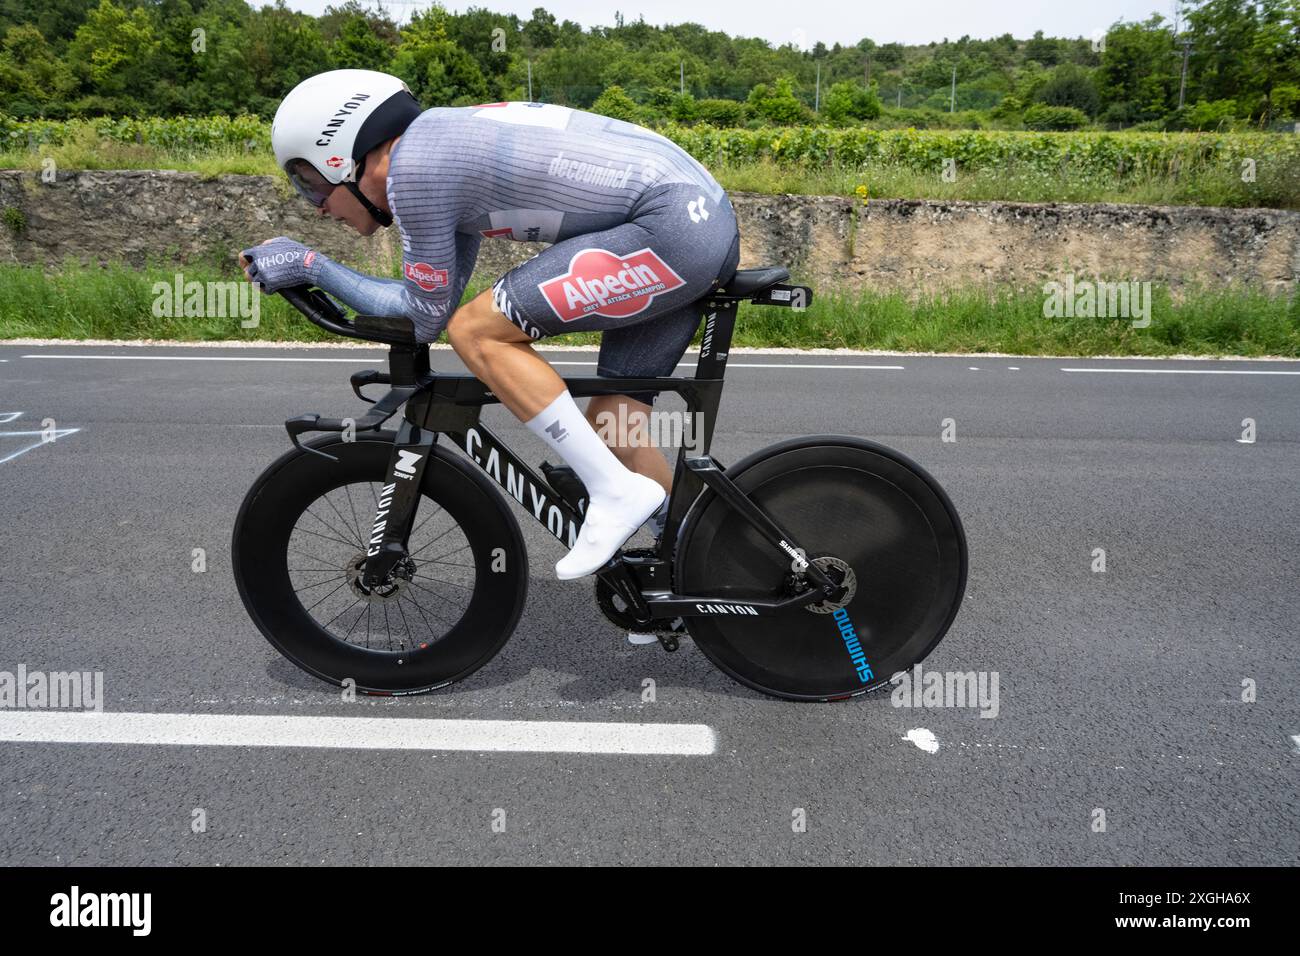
(651, 349)
(636, 272)
(691, 244)
(503, 358)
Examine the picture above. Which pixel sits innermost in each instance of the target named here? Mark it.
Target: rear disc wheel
(874, 521)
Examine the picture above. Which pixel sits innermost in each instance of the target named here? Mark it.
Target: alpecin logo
(424, 275)
(601, 283)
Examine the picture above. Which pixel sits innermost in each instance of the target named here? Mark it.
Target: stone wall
(911, 245)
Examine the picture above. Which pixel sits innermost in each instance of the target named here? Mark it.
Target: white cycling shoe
(607, 523)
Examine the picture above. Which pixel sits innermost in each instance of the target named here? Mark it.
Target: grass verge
(121, 302)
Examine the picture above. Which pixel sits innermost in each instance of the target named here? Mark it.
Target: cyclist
(639, 231)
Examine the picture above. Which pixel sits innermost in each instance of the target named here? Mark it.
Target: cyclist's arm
(437, 271)
(365, 294)
(466, 255)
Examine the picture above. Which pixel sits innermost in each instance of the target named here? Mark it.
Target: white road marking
(261, 358)
(208, 358)
(1013, 368)
(1295, 739)
(358, 733)
(41, 440)
(7, 417)
(1184, 371)
(924, 739)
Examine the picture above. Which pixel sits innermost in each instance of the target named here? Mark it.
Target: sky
(805, 22)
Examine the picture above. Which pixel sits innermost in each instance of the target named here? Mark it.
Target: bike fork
(398, 500)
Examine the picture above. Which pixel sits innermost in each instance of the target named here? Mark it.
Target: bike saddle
(748, 283)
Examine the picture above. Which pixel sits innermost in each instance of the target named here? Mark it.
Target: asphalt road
(1120, 692)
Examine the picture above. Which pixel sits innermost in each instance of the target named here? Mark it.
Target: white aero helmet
(328, 123)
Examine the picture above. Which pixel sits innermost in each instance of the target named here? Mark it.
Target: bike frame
(451, 404)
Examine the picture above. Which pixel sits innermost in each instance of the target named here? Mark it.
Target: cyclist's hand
(280, 263)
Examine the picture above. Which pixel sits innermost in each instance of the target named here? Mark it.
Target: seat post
(719, 325)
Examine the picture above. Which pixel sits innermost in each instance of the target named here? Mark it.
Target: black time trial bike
(813, 569)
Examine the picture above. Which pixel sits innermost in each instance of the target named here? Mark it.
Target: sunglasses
(309, 183)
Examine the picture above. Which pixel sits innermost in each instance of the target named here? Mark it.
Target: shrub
(1215, 115)
(616, 104)
(14, 220)
(683, 108)
(779, 105)
(848, 103)
(721, 113)
(1043, 117)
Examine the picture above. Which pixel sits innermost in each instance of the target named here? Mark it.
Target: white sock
(566, 430)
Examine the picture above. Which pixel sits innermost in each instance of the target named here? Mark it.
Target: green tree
(438, 72)
(113, 55)
(223, 80)
(31, 77)
(490, 38)
(359, 47)
(57, 20)
(1070, 85)
(1041, 49)
(1136, 74)
(1041, 116)
(540, 32)
(848, 103)
(1243, 49)
(332, 21)
(720, 113)
(283, 48)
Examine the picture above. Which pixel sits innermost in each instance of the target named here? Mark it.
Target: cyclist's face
(338, 201)
(344, 207)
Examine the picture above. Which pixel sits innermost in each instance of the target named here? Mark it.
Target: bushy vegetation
(84, 58)
(1217, 169)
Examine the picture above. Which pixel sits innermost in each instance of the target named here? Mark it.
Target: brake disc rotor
(388, 591)
(846, 578)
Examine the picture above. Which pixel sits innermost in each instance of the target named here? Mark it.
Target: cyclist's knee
(478, 324)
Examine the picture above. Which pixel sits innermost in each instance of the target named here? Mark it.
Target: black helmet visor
(310, 184)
